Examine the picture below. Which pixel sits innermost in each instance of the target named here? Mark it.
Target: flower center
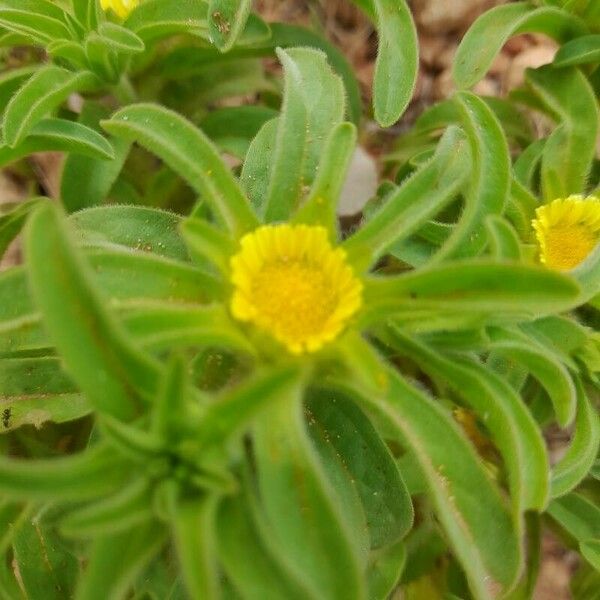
(567, 231)
(569, 246)
(290, 282)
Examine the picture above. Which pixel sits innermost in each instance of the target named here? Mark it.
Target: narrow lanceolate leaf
(569, 151)
(320, 206)
(193, 523)
(40, 21)
(59, 135)
(129, 507)
(588, 276)
(12, 222)
(581, 51)
(236, 411)
(190, 154)
(87, 12)
(493, 29)
(131, 227)
(226, 20)
(577, 515)
(545, 366)
(155, 19)
(397, 60)
(511, 426)
(334, 416)
(477, 286)
(117, 560)
(94, 473)
(47, 89)
(267, 575)
(490, 179)
(479, 528)
(304, 517)
(103, 362)
(423, 195)
(385, 569)
(504, 241)
(46, 568)
(87, 181)
(313, 104)
(577, 461)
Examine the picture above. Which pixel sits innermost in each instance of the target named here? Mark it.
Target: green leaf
(303, 514)
(43, 92)
(385, 569)
(46, 568)
(107, 367)
(235, 411)
(543, 364)
(588, 276)
(478, 526)
(207, 243)
(268, 574)
(116, 560)
(120, 39)
(494, 28)
(87, 181)
(61, 135)
(155, 19)
(130, 507)
(39, 20)
(367, 461)
(287, 36)
(501, 410)
(590, 549)
(580, 51)
(504, 290)
(193, 522)
(313, 104)
(577, 461)
(226, 20)
(87, 12)
(232, 128)
(160, 326)
(135, 227)
(93, 473)
(34, 391)
(190, 154)
(490, 179)
(417, 200)
(129, 279)
(504, 242)
(320, 206)
(11, 80)
(570, 149)
(397, 60)
(577, 515)
(12, 222)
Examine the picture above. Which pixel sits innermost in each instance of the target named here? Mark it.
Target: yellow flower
(121, 8)
(567, 231)
(291, 283)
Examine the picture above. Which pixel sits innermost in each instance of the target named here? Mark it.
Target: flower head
(567, 231)
(290, 282)
(121, 8)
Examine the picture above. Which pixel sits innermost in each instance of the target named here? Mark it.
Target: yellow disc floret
(121, 8)
(290, 282)
(567, 231)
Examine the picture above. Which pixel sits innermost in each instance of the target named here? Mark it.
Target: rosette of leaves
(407, 450)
